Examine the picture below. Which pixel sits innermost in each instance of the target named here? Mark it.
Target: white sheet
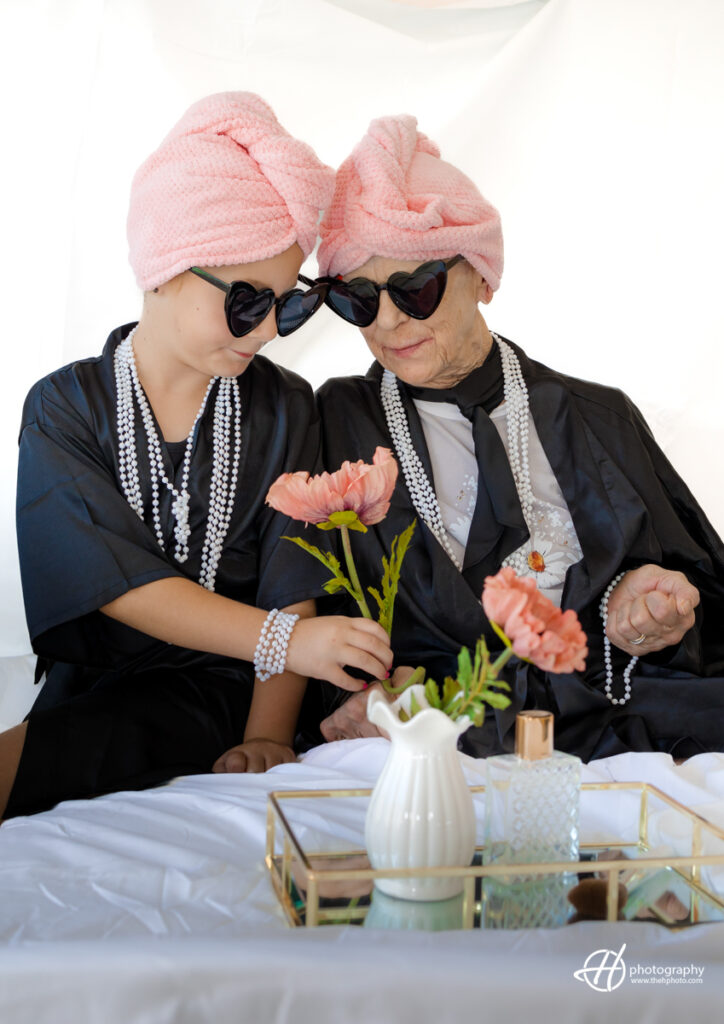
(155, 907)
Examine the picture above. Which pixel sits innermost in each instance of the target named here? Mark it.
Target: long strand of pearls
(515, 393)
(607, 649)
(223, 478)
(421, 490)
(223, 474)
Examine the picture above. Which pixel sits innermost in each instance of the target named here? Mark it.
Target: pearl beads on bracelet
(607, 649)
(270, 656)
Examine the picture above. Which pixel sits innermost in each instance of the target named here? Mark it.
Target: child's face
(201, 337)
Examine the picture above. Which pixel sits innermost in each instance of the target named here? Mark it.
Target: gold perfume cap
(534, 735)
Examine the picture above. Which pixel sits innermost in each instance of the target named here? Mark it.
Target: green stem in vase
(352, 570)
(483, 675)
(501, 660)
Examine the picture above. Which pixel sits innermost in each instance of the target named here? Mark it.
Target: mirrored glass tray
(643, 856)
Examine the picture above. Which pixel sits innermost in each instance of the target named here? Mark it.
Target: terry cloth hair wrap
(227, 185)
(395, 197)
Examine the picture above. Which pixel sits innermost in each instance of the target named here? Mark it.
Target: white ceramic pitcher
(421, 812)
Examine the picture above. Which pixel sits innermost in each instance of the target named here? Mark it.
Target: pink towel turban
(395, 197)
(227, 185)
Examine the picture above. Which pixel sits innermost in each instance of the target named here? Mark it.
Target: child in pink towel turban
(149, 559)
(227, 185)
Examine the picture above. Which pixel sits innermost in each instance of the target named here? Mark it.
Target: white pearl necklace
(515, 393)
(224, 470)
(607, 649)
(421, 490)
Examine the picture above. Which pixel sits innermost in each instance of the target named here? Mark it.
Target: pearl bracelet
(607, 649)
(270, 656)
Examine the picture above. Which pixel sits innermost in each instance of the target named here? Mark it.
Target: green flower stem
(501, 660)
(418, 676)
(352, 570)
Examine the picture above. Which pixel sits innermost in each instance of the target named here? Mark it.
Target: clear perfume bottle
(531, 816)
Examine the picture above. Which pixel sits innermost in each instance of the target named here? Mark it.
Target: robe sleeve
(701, 651)
(80, 543)
(658, 520)
(286, 573)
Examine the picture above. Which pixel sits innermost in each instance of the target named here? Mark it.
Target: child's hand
(254, 756)
(322, 647)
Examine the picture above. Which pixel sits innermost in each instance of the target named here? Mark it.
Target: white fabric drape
(153, 907)
(593, 126)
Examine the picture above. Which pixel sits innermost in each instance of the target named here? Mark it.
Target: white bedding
(156, 907)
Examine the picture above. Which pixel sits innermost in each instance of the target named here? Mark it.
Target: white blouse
(449, 437)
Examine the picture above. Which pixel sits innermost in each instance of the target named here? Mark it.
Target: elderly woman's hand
(349, 722)
(652, 602)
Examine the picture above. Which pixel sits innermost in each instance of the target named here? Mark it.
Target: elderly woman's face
(437, 352)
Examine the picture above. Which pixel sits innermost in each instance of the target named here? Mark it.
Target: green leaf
(477, 714)
(452, 710)
(331, 562)
(479, 662)
(432, 693)
(501, 684)
(391, 569)
(414, 706)
(326, 557)
(324, 526)
(465, 669)
(497, 700)
(450, 690)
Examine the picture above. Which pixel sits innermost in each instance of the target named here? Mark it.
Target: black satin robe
(629, 508)
(120, 709)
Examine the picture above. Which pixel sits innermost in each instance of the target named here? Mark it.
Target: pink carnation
(538, 630)
(356, 486)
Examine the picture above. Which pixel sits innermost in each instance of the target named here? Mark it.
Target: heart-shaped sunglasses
(418, 293)
(246, 306)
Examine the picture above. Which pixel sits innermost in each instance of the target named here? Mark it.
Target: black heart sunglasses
(246, 306)
(418, 294)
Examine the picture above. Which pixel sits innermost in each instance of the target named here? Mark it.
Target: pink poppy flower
(538, 630)
(356, 486)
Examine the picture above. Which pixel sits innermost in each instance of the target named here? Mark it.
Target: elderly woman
(507, 462)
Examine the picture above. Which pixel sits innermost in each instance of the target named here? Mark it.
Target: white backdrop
(593, 125)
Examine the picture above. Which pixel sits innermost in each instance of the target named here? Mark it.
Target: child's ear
(484, 292)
